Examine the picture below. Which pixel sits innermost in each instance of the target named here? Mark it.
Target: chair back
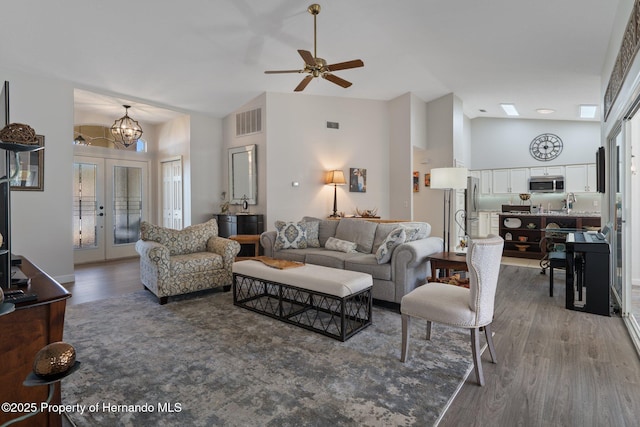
(483, 261)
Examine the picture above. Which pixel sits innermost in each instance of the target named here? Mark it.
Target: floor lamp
(335, 177)
(448, 179)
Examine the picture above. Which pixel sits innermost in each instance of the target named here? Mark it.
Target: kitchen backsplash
(585, 202)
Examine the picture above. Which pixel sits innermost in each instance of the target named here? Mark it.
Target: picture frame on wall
(416, 181)
(427, 180)
(31, 174)
(357, 180)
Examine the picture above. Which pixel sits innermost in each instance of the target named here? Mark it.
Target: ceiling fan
(317, 67)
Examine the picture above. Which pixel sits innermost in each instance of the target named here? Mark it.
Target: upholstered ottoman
(333, 302)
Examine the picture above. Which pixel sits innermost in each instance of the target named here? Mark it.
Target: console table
(241, 224)
(23, 333)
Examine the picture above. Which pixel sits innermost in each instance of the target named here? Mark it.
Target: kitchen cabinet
(488, 223)
(485, 182)
(581, 178)
(547, 170)
(510, 181)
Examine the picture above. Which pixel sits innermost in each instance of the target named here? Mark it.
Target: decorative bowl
(522, 238)
(522, 248)
(531, 226)
(525, 196)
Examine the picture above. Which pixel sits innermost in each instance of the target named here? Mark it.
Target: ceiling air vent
(249, 122)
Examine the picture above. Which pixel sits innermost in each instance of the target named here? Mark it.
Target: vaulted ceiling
(209, 56)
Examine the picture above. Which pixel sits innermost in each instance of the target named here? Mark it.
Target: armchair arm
(268, 240)
(410, 266)
(154, 255)
(227, 248)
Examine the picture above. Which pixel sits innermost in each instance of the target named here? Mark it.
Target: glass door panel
(88, 209)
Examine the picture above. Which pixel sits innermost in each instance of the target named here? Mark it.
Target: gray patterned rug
(201, 361)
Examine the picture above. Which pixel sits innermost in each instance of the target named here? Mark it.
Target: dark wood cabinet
(233, 225)
(23, 333)
(528, 235)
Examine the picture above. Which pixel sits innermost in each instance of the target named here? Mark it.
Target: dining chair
(457, 306)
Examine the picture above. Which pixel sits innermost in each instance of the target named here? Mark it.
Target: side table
(447, 261)
(247, 239)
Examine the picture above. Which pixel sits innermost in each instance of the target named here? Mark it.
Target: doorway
(109, 202)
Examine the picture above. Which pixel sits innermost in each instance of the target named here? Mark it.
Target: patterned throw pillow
(340, 245)
(393, 240)
(313, 236)
(291, 235)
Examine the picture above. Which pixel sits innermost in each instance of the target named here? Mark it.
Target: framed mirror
(243, 179)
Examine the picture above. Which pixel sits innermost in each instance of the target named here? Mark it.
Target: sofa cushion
(393, 240)
(186, 241)
(329, 258)
(356, 230)
(290, 235)
(326, 228)
(367, 263)
(340, 245)
(199, 262)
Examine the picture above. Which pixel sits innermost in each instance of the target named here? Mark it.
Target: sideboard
(23, 333)
(234, 224)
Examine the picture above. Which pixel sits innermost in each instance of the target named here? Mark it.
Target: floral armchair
(175, 262)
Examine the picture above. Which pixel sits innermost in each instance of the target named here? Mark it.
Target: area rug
(201, 361)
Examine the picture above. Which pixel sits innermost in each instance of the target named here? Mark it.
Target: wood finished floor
(556, 367)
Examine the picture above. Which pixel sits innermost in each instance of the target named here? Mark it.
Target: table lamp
(335, 177)
(448, 179)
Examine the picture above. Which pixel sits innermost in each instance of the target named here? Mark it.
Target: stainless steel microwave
(546, 184)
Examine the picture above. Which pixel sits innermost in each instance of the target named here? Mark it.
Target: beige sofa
(175, 262)
(407, 268)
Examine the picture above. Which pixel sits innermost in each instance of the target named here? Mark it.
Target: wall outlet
(595, 203)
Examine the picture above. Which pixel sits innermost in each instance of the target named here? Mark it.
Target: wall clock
(546, 147)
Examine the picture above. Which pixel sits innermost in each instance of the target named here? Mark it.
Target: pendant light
(125, 130)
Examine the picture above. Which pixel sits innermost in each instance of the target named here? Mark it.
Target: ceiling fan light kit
(317, 67)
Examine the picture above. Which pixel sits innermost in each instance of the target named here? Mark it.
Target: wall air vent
(248, 122)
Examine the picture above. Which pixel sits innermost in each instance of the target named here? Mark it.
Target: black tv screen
(600, 170)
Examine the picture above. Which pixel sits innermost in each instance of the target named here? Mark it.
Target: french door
(109, 202)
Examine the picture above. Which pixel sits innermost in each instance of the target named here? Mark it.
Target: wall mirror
(243, 179)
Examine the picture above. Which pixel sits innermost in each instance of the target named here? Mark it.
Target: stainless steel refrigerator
(472, 208)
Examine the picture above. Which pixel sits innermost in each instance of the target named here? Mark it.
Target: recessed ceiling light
(588, 111)
(545, 110)
(510, 109)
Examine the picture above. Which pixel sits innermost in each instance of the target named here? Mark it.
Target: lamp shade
(335, 177)
(449, 178)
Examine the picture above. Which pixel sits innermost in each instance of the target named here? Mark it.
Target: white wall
(301, 148)
(205, 154)
(504, 143)
(401, 131)
(41, 220)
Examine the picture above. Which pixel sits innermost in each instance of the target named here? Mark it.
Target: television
(600, 170)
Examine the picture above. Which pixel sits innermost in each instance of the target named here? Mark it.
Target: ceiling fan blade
(308, 58)
(337, 80)
(283, 71)
(345, 65)
(303, 84)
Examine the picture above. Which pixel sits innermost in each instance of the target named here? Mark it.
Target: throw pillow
(393, 240)
(313, 237)
(290, 235)
(340, 245)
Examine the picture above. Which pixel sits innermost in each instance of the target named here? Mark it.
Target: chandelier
(125, 130)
